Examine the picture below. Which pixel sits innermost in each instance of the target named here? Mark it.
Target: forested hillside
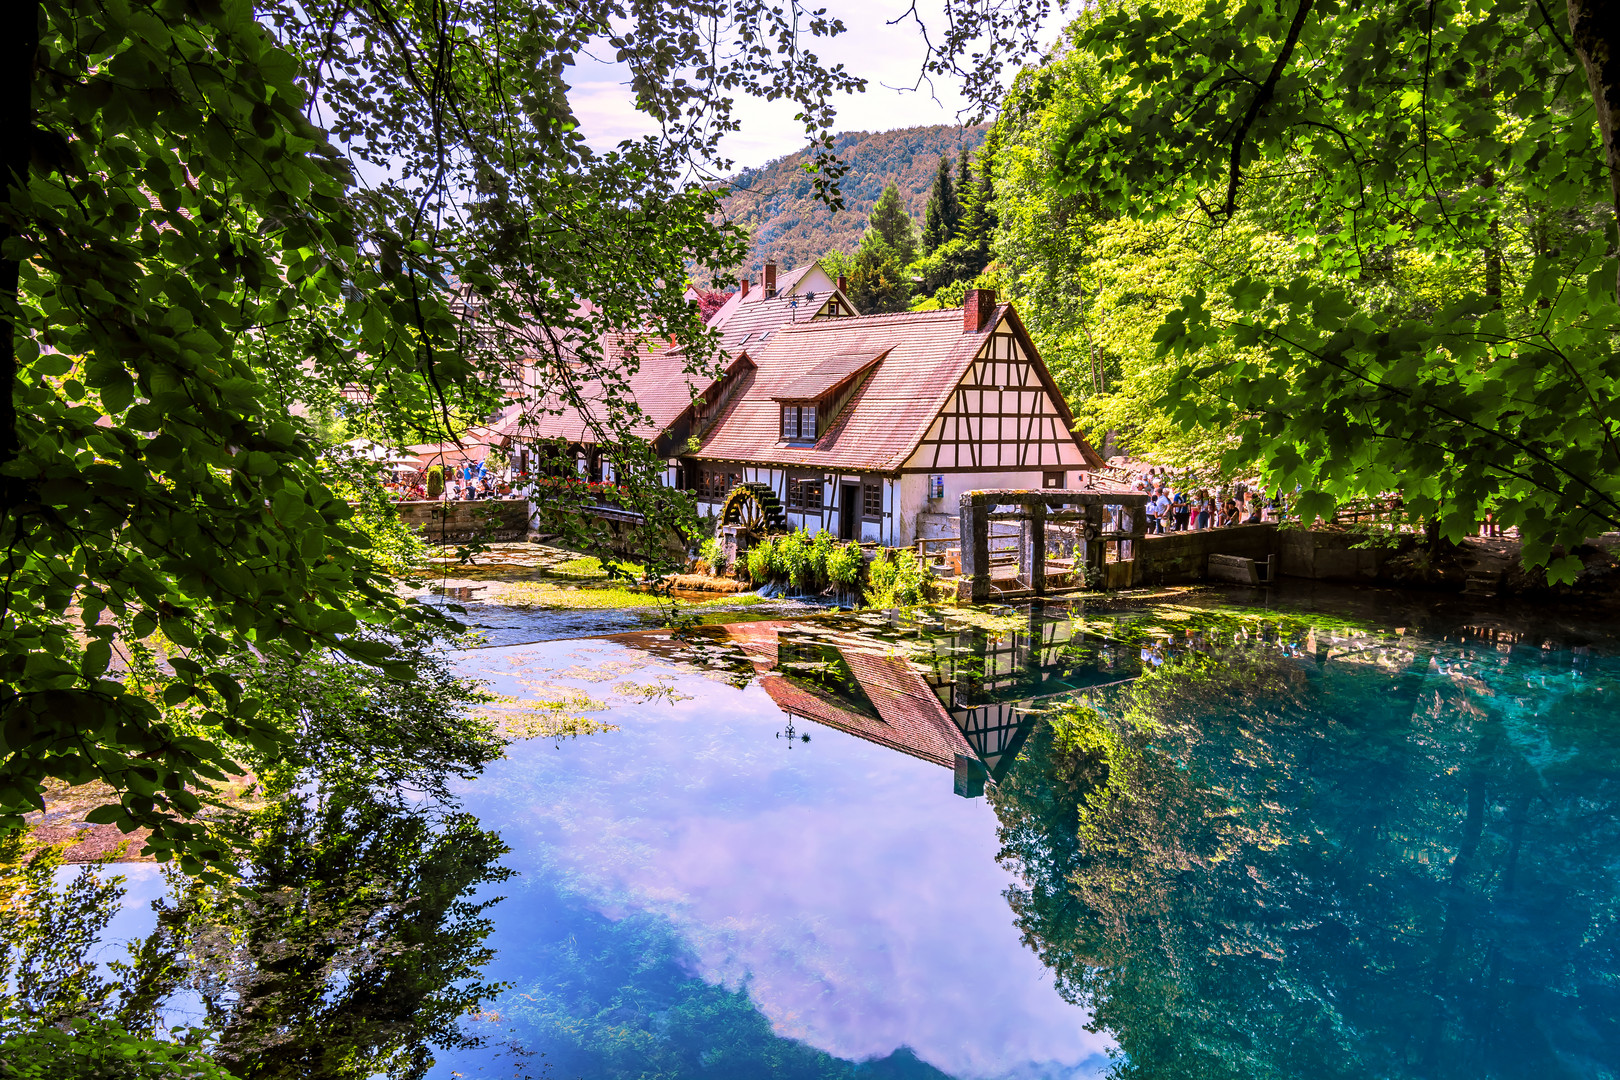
(776, 205)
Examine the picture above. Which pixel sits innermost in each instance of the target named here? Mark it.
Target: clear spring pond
(1273, 842)
(1231, 835)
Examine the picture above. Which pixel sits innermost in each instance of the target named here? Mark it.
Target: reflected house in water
(957, 696)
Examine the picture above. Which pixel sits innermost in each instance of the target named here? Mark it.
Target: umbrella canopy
(373, 451)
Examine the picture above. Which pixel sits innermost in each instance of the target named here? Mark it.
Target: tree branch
(1258, 102)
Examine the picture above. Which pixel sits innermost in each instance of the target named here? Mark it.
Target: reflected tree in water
(354, 952)
(1401, 862)
(348, 941)
(620, 999)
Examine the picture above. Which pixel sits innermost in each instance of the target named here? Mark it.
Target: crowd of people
(1179, 504)
(471, 481)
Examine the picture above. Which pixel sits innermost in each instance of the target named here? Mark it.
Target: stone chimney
(770, 280)
(977, 307)
(843, 284)
(745, 288)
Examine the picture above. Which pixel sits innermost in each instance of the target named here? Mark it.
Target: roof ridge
(845, 321)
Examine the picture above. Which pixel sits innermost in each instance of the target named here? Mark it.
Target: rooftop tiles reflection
(850, 892)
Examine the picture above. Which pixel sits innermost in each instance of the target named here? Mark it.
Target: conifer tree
(944, 209)
(891, 222)
(979, 208)
(878, 281)
(964, 190)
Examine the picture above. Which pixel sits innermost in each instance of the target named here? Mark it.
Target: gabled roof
(924, 356)
(785, 284)
(827, 376)
(909, 716)
(758, 321)
(661, 386)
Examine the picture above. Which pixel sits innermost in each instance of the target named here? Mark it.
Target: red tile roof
(757, 323)
(925, 354)
(756, 294)
(661, 386)
(910, 718)
(827, 375)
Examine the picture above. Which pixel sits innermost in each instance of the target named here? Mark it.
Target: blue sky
(889, 57)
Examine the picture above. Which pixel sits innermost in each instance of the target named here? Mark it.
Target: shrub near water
(811, 564)
(759, 562)
(714, 554)
(792, 560)
(896, 581)
(844, 565)
(821, 549)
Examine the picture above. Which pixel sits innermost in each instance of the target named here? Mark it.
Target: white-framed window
(798, 421)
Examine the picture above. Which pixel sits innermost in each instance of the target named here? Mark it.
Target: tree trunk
(1594, 28)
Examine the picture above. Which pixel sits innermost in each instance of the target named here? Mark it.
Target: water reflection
(1264, 845)
(833, 905)
(925, 684)
(1293, 850)
(1220, 841)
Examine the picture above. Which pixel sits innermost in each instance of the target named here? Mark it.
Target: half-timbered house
(862, 425)
(859, 425)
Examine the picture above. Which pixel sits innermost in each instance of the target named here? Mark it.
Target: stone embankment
(1319, 555)
(442, 521)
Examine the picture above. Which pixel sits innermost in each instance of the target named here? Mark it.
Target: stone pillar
(974, 528)
(1036, 519)
(1093, 550)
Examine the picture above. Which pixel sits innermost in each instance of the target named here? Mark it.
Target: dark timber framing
(1004, 400)
(1033, 510)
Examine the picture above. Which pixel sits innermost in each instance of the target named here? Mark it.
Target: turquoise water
(1220, 835)
(1270, 843)
(700, 894)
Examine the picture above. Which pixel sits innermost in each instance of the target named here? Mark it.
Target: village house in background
(675, 405)
(869, 427)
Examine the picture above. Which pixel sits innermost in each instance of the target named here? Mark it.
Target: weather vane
(792, 736)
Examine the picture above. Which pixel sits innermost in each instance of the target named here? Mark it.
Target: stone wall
(446, 522)
(1176, 558)
(1332, 556)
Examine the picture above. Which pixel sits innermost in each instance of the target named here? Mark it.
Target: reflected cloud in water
(857, 899)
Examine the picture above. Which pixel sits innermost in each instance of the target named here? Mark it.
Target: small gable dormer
(808, 404)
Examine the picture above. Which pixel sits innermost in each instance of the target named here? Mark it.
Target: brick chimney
(745, 288)
(977, 307)
(770, 280)
(843, 284)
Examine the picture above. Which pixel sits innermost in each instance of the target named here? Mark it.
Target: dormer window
(811, 401)
(799, 423)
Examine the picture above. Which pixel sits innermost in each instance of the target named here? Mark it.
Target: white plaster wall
(914, 499)
(895, 528)
(816, 280)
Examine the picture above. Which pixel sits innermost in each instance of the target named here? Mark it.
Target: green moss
(549, 594)
(591, 566)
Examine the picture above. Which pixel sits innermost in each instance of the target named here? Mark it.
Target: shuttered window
(804, 494)
(872, 501)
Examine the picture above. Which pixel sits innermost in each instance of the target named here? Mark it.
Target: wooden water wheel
(755, 510)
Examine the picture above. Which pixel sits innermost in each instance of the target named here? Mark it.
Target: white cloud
(855, 897)
(889, 57)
